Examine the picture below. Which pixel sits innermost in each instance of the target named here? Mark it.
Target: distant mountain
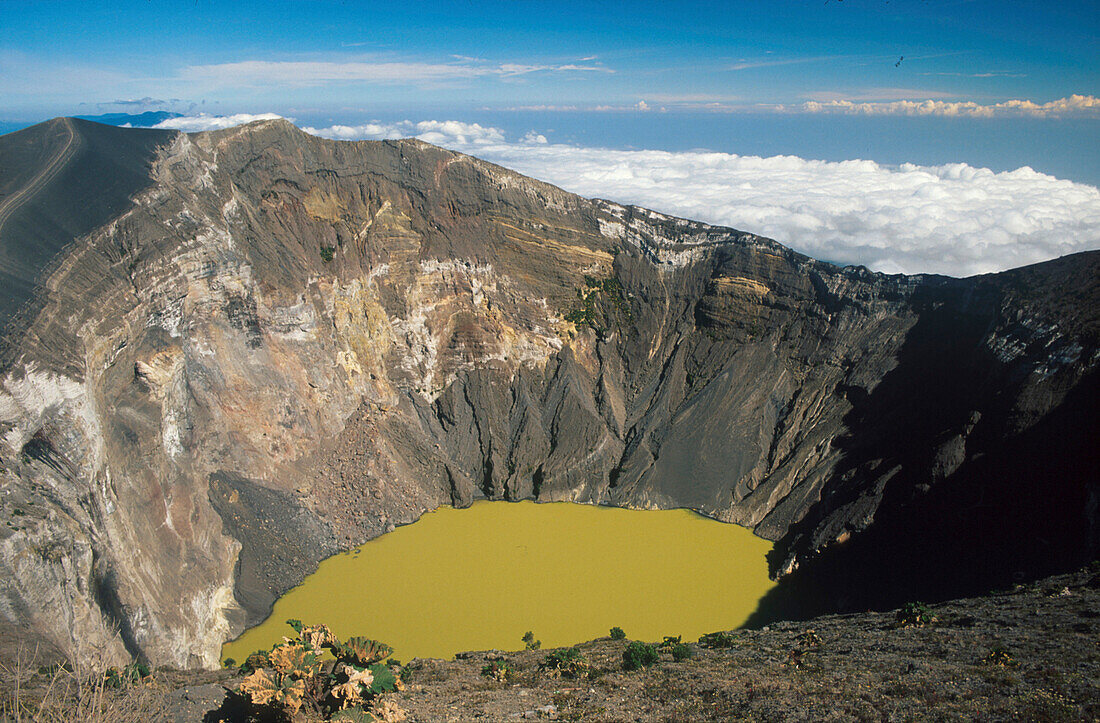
(240, 351)
(148, 119)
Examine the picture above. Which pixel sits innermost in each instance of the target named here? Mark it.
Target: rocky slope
(282, 346)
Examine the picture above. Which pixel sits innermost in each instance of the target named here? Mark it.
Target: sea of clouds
(952, 219)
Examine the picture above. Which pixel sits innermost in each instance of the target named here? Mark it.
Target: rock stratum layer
(257, 347)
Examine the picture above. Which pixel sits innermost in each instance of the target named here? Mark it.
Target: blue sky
(997, 84)
(317, 57)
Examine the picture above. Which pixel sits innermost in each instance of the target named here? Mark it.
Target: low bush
(670, 642)
(568, 663)
(639, 655)
(720, 639)
(1000, 655)
(499, 670)
(617, 633)
(129, 675)
(914, 615)
(682, 651)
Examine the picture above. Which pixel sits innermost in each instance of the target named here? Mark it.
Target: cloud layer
(952, 219)
(1073, 105)
(205, 122)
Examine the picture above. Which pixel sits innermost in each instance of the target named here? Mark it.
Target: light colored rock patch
(29, 400)
(611, 229)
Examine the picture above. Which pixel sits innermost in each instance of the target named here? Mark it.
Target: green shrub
(577, 316)
(561, 658)
(720, 639)
(569, 663)
(682, 651)
(530, 642)
(327, 253)
(133, 673)
(254, 662)
(670, 642)
(639, 655)
(914, 615)
(617, 633)
(499, 670)
(609, 290)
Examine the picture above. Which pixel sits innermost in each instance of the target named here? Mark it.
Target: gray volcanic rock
(284, 346)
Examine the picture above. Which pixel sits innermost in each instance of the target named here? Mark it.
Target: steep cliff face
(284, 346)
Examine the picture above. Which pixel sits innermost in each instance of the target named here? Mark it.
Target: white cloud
(953, 219)
(745, 64)
(311, 73)
(639, 107)
(206, 122)
(456, 133)
(367, 131)
(1073, 105)
(452, 134)
(533, 137)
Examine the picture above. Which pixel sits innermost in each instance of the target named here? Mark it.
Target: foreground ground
(1032, 653)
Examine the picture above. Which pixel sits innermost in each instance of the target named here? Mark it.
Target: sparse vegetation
(327, 253)
(594, 291)
(809, 639)
(670, 642)
(79, 692)
(1000, 655)
(131, 674)
(639, 655)
(617, 633)
(568, 663)
(808, 645)
(498, 670)
(721, 639)
(529, 641)
(255, 661)
(682, 651)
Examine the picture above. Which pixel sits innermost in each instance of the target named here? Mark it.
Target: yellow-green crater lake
(479, 578)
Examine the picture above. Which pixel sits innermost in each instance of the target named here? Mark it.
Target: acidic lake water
(479, 578)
